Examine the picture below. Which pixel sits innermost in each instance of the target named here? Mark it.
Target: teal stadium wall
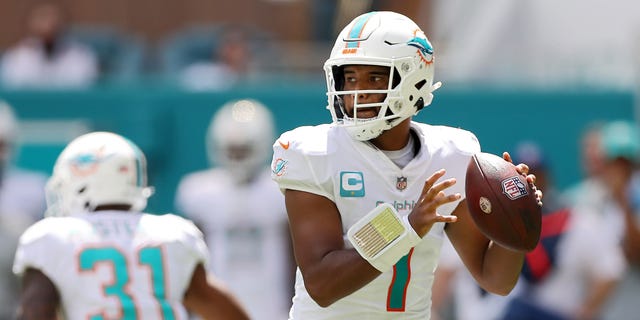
(169, 124)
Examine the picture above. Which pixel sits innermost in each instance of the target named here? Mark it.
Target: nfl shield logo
(514, 188)
(401, 183)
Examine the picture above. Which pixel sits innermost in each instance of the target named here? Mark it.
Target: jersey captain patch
(351, 184)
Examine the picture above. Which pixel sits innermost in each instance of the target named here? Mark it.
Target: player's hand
(523, 169)
(425, 214)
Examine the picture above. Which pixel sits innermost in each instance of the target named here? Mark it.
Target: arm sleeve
(193, 240)
(297, 163)
(35, 245)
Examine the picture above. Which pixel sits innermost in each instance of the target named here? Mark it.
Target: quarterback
(370, 195)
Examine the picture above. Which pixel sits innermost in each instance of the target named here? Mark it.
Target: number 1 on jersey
(397, 296)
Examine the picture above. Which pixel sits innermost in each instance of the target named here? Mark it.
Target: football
(501, 202)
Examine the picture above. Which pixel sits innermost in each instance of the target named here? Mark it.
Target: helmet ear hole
(82, 189)
(420, 84)
(419, 104)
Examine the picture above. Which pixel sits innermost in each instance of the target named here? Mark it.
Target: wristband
(382, 237)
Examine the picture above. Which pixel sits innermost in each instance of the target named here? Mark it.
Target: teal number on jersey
(92, 256)
(152, 256)
(148, 256)
(397, 296)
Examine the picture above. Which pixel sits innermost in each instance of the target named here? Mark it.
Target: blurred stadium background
(512, 71)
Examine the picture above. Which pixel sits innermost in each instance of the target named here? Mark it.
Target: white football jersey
(114, 264)
(356, 176)
(245, 227)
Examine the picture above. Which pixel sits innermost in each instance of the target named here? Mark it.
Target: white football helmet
(382, 39)
(240, 137)
(98, 168)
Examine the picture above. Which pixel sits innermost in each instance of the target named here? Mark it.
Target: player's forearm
(339, 274)
(631, 239)
(37, 309)
(39, 298)
(501, 269)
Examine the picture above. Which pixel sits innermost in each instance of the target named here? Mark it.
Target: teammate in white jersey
(22, 202)
(241, 211)
(97, 256)
(368, 196)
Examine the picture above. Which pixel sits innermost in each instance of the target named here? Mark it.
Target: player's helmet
(383, 39)
(240, 137)
(98, 168)
(8, 132)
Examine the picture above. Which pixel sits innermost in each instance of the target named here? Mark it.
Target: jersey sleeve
(192, 239)
(35, 248)
(463, 145)
(298, 161)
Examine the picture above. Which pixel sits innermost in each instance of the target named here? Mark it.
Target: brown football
(501, 202)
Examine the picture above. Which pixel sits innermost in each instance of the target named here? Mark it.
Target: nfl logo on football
(514, 188)
(401, 183)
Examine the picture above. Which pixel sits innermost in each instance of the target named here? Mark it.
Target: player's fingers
(433, 192)
(432, 180)
(450, 198)
(539, 196)
(440, 199)
(522, 169)
(531, 178)
(506, 156)
(446, 219)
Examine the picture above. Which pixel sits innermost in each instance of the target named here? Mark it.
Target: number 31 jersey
(356, 176)
(115, 264)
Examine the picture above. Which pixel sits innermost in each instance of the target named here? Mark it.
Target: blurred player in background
(22, 202)
(375, 175)
(619, 210)
(231, 63)
(46, 58)
(241, 211)
(592, 163)
(454, 284)
(562, 279)
(98, 256)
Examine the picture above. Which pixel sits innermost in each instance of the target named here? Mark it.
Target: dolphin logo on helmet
(424, 48)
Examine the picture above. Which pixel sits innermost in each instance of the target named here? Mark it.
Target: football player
(370, 195)
(97, 256)
(22, 202)
(241, 211)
